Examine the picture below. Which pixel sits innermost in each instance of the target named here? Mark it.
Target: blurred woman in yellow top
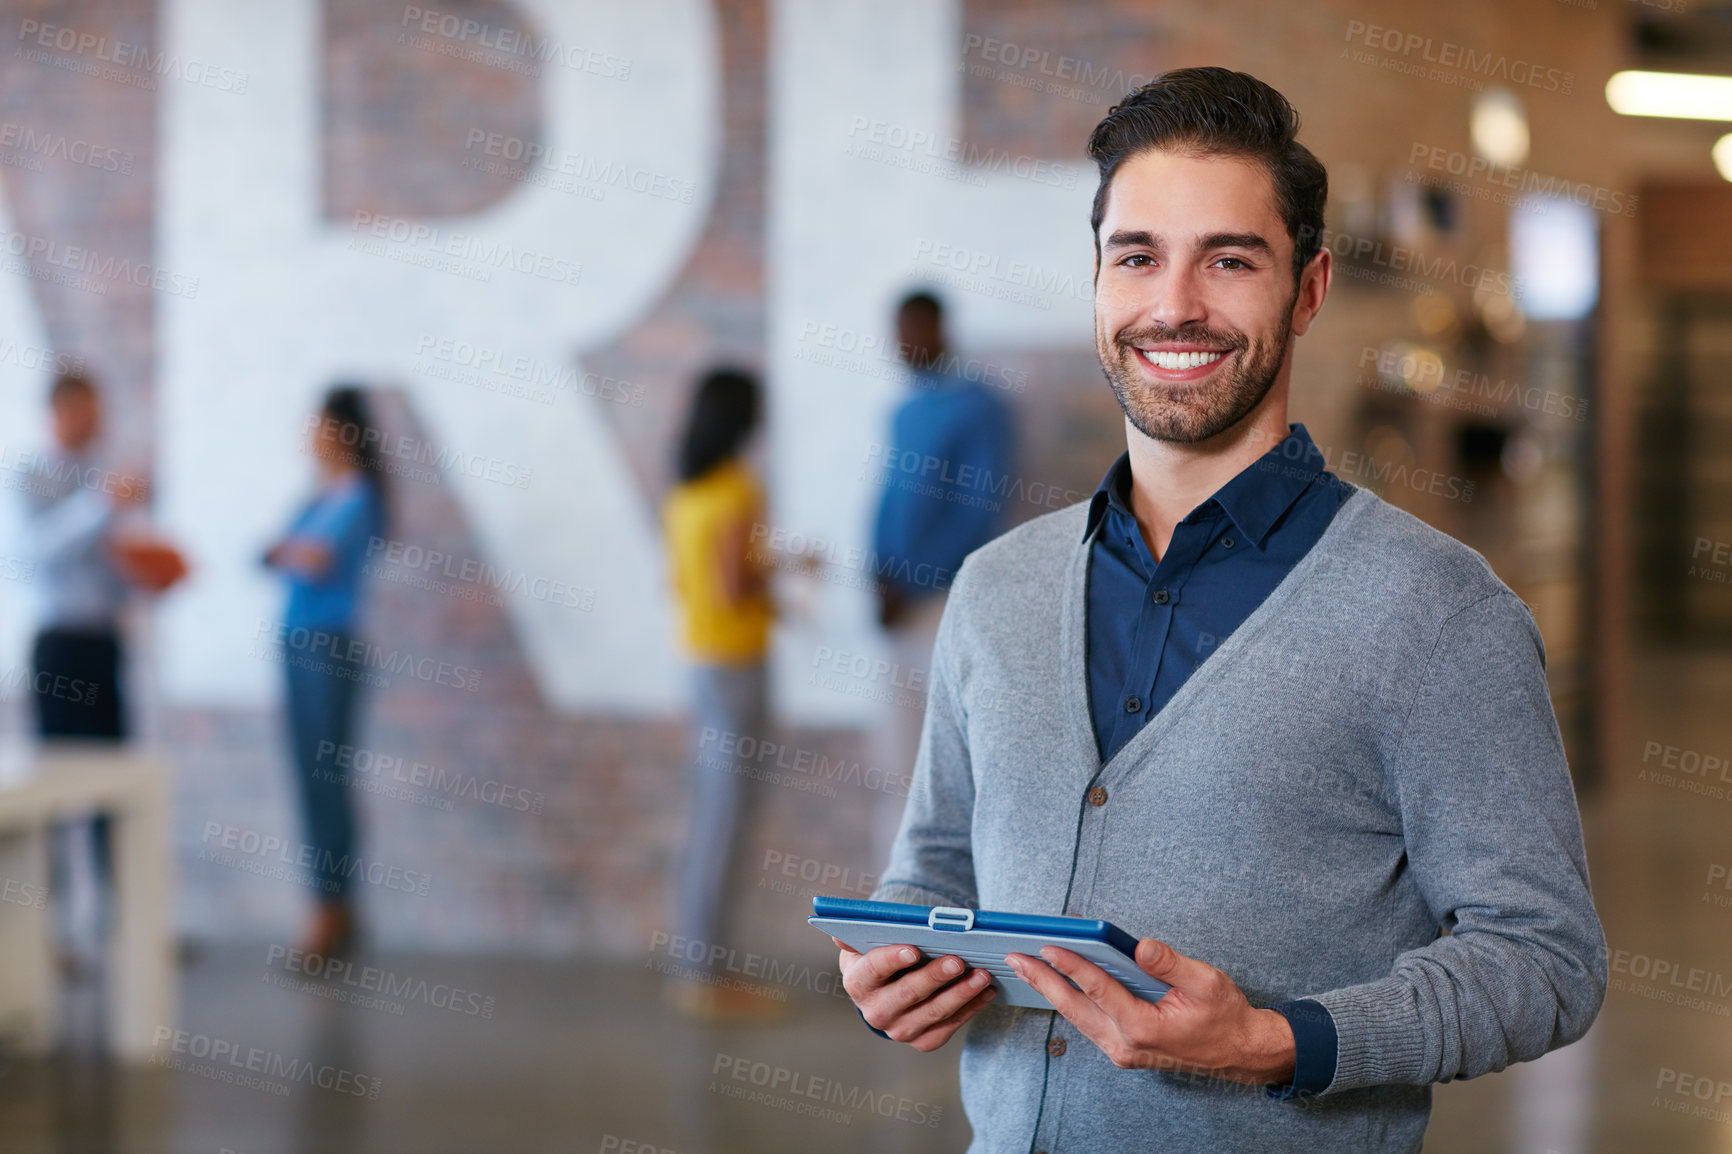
(722, 588)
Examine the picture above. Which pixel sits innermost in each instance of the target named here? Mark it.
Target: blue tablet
(982, 938)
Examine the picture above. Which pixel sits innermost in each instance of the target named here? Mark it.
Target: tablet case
(982, 938)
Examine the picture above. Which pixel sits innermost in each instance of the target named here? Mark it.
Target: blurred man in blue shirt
(946, 477)
(946, 470)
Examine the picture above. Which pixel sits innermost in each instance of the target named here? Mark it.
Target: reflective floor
(430, 1054)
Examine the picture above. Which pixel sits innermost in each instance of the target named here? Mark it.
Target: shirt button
(1226, 542)
(1161, 596)
(1133, 705)
(1055, 1047)
(1098, 796)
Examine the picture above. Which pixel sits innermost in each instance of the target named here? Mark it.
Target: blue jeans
(321, 696)
(729, 702)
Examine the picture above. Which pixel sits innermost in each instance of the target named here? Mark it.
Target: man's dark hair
(1218, 112)
(723, 414)
(921, 300)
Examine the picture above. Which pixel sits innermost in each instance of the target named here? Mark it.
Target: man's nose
(1178, 299)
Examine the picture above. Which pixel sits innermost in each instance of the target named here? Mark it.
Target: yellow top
(697, 519)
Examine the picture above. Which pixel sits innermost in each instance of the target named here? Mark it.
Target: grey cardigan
(1360, 797)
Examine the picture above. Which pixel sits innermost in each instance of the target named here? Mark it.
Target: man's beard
(1195, 411)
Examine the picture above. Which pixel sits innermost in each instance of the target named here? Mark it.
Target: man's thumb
(1155, 957)
(1161, 961)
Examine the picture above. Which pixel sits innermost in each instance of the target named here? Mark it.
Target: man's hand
(131, 490)
(922, 1005)
(894, 607)
(1203, 1023)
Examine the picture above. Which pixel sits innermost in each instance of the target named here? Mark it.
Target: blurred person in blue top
(321, 556)
(946, 477)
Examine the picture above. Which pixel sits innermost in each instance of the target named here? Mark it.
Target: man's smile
(1179, 363)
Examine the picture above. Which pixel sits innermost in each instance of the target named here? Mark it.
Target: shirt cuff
(1314, 1049)
(893, 977)
(888, 1038)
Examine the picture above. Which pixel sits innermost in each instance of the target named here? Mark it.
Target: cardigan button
(1161, 596)
(1098, 796)
(1055, 1047)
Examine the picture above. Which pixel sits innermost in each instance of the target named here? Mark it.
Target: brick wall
(58, 200)
(587, 872)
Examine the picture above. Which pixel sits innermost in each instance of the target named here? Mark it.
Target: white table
(43, 785)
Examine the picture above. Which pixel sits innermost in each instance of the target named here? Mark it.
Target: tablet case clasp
(952, 918)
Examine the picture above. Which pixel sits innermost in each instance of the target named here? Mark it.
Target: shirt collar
(943, 372)
(343, 484)
(1255, 499)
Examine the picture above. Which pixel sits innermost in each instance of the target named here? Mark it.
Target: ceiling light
(1722, 155)
(1499, 127)
(1676, 94)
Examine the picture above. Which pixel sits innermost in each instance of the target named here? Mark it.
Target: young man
(76, 658)
(80, 584)
(928, 519)
(1294, 739)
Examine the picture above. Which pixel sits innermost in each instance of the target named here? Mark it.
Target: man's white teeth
(1181, 360)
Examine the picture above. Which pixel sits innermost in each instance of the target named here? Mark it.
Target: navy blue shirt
(1152, 624)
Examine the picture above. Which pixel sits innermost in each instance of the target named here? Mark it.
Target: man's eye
(1137, 260)
(1232, 262)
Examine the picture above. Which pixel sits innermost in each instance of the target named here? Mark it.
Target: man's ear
(1313, 288)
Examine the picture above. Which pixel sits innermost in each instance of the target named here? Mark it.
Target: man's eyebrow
(1248, 240)
(1126, 238)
